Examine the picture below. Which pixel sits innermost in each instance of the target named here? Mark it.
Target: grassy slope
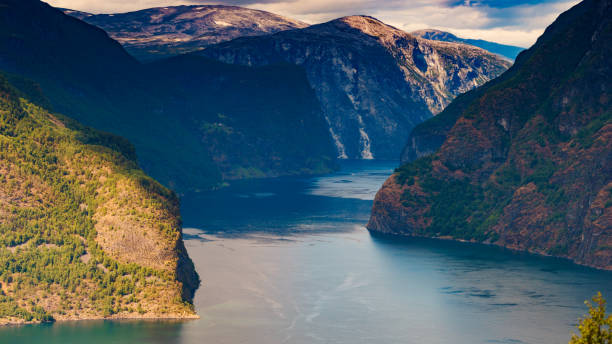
(84, 232)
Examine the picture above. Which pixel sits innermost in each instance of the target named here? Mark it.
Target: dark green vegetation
(193, 122)
(595, 328)
(254, 122)
(526, 160)
(84, 233)
(508, 51)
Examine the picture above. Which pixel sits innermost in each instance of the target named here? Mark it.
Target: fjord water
(289, 261)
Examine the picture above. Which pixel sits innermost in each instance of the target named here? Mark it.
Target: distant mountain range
(508, 51)
(168, 31)
(160, 32)
(524, 161)
(375, 82)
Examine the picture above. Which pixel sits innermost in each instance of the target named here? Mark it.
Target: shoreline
(146, 317)
(445, 238)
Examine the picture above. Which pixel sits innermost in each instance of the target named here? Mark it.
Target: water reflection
(289, 206)
(96, 331)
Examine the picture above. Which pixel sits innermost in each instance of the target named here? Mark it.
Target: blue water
(289, 261)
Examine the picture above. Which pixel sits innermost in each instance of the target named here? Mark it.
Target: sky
(516, 22)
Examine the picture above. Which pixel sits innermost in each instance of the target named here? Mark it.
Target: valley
(216, 173)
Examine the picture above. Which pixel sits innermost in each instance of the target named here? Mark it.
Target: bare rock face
(375, 82)
(167, 31)
(526, 162)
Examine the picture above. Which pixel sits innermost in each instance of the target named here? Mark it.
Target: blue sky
(517, 22)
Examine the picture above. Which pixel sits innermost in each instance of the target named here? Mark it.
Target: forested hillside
(525, 161)
(84, 233)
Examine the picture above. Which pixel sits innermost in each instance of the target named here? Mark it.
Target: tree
(595, 328)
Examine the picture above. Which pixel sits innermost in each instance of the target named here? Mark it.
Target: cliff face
(527, 162)
(167, 31)
(508, 51)
(84, 232)
(375, 82)
(195, 122)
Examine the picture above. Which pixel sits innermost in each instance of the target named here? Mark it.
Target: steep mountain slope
(528, 162)
(89, 77)
(253, 122)
(427, 137)
(84, 232)
(508, 51)
(167, 31)
(375, 82)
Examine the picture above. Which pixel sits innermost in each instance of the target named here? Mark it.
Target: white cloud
(517, 25)
(114, 6)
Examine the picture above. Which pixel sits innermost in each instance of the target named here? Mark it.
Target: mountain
(168, 31)
(84, 233)
(375, 82)
(194, 122)
(527, 163)
(253, 122)
(77, 14)
(508, 51)
(427, 137)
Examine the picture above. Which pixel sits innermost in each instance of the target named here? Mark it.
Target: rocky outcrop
(168, 31)
(508, 51)
(375, 82)
(527, 161)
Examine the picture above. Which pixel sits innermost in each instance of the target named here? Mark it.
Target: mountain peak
(369, 25)
(159, 32)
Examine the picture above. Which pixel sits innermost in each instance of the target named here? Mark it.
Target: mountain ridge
(159, 32)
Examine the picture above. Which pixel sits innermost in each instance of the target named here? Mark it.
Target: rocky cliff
(375, 82)
(84, 233)
(167, 31)
(527, 163)
(508, 51)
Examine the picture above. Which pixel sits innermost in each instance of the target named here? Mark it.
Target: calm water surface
(289, 261)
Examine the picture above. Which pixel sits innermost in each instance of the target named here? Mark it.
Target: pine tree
(596, 327)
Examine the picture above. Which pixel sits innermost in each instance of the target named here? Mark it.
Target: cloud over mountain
(511, 22)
